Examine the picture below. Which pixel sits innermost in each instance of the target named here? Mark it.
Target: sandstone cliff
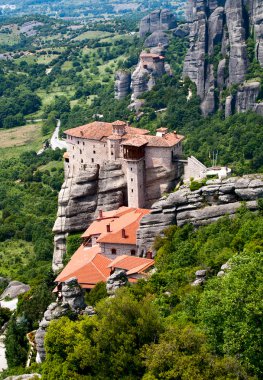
(200, 207)
(217, 58)
(80, 199)
(157, 20)
(122, 84)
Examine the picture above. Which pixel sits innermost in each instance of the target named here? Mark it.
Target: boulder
(116, 281)
(14, 289)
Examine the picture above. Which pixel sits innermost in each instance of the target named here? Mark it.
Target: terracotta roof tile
(88, 265)
(168, 140)
(98, 130)
(132, 264)
(127, 219)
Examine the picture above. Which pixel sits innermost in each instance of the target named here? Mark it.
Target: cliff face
(217, 57)
(80, 199)
(200, 207)
(157, 20)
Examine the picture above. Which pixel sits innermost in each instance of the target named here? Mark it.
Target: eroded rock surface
(157, 20)
(80, 199)
(71, 301)
(201, 207)
(14, 289)
(217, 58)
(122, 84)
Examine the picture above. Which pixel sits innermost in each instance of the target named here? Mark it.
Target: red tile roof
(126, 218)
(151, 55)
(168, 140)
(132, 264)
(97, 130)
(88, 265)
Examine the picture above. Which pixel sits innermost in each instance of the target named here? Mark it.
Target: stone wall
(201, 207)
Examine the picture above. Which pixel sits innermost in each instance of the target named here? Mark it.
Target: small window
(73, 147)
(94, 152)
(92, 160)
(133, 252)
(131, 179)
(132, 190)
(113, 251)
(112, 153)
(112, 146)
(78, 141)
(80, 151)
(81, 161)
(83, 143)
(131, 169)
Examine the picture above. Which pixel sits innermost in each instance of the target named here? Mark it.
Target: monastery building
(150, 163)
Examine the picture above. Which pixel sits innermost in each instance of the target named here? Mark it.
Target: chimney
(118, 128)
(149, 255)
(123, 233)
(108, 227)
(100, 214)
(175, 133)
(160, 132)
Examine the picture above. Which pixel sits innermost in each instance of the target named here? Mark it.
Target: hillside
(86, 9)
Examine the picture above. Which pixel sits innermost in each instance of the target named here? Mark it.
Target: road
(55, 141)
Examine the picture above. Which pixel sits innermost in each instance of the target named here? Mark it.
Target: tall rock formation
(217, 58)
(122, 84)
(157, 20)
(80, 199)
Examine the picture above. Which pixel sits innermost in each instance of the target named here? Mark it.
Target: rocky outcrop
(14, 289)
(217, 57)
(157, 20)
(246, 96)
(122, 84)
(182, 31)
(200, 277)
(71, 301)
(201, 207)
(157, 38)
(257, 22)
(146, 73)
(80, 199)
(237, 29)
(116, 281)
(244, 100)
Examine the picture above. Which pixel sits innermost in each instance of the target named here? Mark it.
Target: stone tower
(134, 155)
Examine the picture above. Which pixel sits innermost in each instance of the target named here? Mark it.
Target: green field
(15, 141)
(92, 34)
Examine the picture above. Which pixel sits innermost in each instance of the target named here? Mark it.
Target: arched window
(133, 253)
(113, 251)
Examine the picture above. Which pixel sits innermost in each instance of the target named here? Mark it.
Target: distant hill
(86, 8)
